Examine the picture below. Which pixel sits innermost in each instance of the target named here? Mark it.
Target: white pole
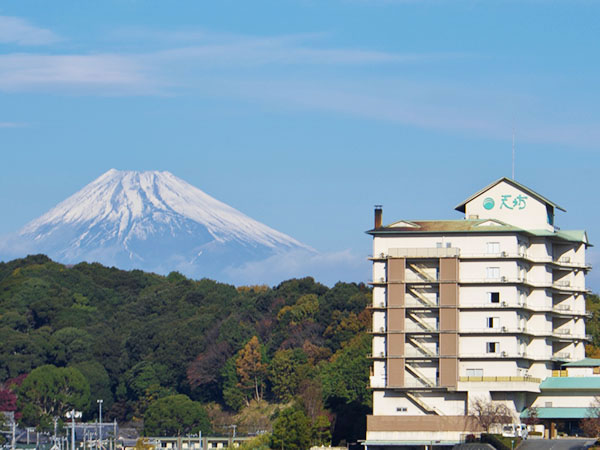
(73, 429)
(14, 437)
(100, 429)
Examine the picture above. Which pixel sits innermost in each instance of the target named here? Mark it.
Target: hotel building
(484, 308)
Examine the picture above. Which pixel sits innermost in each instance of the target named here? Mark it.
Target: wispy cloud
(14, 30)
(12, 125)
(190, 55)
(265, 69)
(433, 106)
(100, 72)
(234, 49)
(328, 268)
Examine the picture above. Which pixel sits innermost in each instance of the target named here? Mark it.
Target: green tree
(71, 345)
(291, 430)
(346, 377)
(22, 352)
(99, 382)
(320, 431)
(286, 370)
(345, 381)
(305, 308)
(232, 394)
(51, 391)
(142, 376)
(175, 415)
(592, 326)
(260, 442)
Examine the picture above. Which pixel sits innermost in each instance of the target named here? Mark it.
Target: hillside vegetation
(290, 356)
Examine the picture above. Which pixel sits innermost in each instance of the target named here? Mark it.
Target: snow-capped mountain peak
(149, 220)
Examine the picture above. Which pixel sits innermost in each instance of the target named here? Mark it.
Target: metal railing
(510, 379)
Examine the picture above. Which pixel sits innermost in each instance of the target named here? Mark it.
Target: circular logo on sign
(488, 203)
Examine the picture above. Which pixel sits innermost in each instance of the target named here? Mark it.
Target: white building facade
(481, 308)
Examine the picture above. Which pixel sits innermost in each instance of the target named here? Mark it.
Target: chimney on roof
(378, 214)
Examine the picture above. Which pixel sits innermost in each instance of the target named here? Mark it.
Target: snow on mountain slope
(152, 221)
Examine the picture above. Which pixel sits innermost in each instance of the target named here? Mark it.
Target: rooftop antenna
(513, 154)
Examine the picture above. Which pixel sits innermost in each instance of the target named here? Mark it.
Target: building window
(491, 347)
(439, 245)
(475, 372)
(448, 244)
(494, 297)
(492, 322)
(401, 409)
(493, 248)
(492, 273)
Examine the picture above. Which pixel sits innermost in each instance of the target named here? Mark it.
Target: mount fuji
(152, 221)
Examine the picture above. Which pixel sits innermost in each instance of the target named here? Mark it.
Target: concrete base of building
(391, 431)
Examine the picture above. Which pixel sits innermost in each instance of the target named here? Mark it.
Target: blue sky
(303, 114)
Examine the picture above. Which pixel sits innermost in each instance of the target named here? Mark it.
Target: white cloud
(327, 268)
(433, 106)
(14, 30)
(152, 72)
(12, 125)
(263, 69)
(100, 71)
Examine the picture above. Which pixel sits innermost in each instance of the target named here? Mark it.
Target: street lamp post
(100, 401)
(72, 415)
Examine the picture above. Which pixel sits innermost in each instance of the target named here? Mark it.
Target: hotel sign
(506, 201)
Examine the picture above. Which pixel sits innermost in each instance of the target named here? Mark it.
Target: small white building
(480, 308)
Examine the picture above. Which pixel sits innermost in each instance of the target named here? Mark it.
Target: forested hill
(138, 337)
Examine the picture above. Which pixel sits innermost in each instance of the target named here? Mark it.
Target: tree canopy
(175, 415)
(133, 339)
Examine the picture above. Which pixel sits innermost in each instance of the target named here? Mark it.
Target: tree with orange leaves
(250, 368)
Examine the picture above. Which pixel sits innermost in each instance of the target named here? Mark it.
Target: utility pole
(72, 415)
(73, 429)
(115, 433)
(14, 434)
(100, 428)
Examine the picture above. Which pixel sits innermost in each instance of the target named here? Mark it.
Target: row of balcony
(561, 285)
(381, 381)
(434, 304)
(558, 333)
(563, 261)
(559, 356)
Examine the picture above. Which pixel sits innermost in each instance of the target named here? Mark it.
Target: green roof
(566, 235)
(558, 413)
(585, 362)
(473, 226)
(571, 383)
